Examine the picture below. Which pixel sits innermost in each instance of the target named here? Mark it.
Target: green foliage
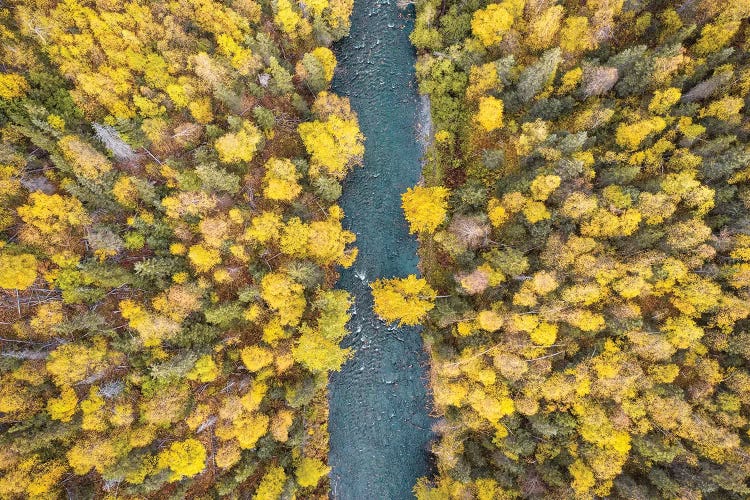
(139, 215)
(591, 341)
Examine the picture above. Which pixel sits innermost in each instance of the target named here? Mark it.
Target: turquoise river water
(379, 422)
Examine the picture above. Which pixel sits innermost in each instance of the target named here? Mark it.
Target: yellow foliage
(449, 394)
(327, 60)
(254, 397)
(122, 415)
(665, 374)
(727, 109)
(17, 272)
(151, 327)
(56, 122)
(496, 212)
(241, 58)
(215, 231)
(334, 145)
(544, 27)
(295, 237)
(490, 113)
(682, 331)
(715, 36)
(178, 302)
(12, 86)
(545, 334)
(513, 202)
(570, 80)
(125, 192)
(575, 35)
(202, 111)
(227, 455)
(583, 477)
(280, 181)
(317, 6)
(586, 320)
(240, 146)
(525, 322)
(273, 332)
(204, 370)
(264, 227)
(256, 358)
(655, 207)
(93, 452)
(605, 224)
(327, 241)
(481, 79)
(184, 458)
(544, 282)
(425, 207)
(203, 259)
(280, 425)
(443, 136)
(288, 19)
(64, 407)
(492, 23)
(525, 296)
(631, 136)
(272, 484)
(309, 471)
(85, 161)
(33, 478)
(72, 362)
(489, 320)
(490, 407)
(663, 100)
(406, 300)
(543, 185)
(178, 95)
(249, 429)
(284, 295)
(488, 489)
(52, 213)
(93, 418)
(319, 353)
(535, 211)
(465, 328)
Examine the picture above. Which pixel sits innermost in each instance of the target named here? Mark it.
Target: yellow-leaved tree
(236, 147)
(334, 141)
(406, 300)
(17, 272)
(490, 113)
(12, 86)
(425, 207)
(184, 458)
(492, 23)
(280, 182)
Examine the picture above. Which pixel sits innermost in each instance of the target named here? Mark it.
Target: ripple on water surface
(379, 423)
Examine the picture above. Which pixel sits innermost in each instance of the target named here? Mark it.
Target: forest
(169, 238)
(584, 232)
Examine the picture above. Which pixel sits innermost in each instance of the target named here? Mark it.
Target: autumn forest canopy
(170, 238)
(168, 177)
(585, 211)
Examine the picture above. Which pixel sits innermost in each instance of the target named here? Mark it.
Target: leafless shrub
(598, 80)
(705, 89)
(473, 231)
(111, 139)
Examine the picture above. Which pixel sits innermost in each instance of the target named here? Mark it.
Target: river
(379, 422)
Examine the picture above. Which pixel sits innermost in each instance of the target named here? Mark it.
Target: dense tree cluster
(596, 247)
(169, 233)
